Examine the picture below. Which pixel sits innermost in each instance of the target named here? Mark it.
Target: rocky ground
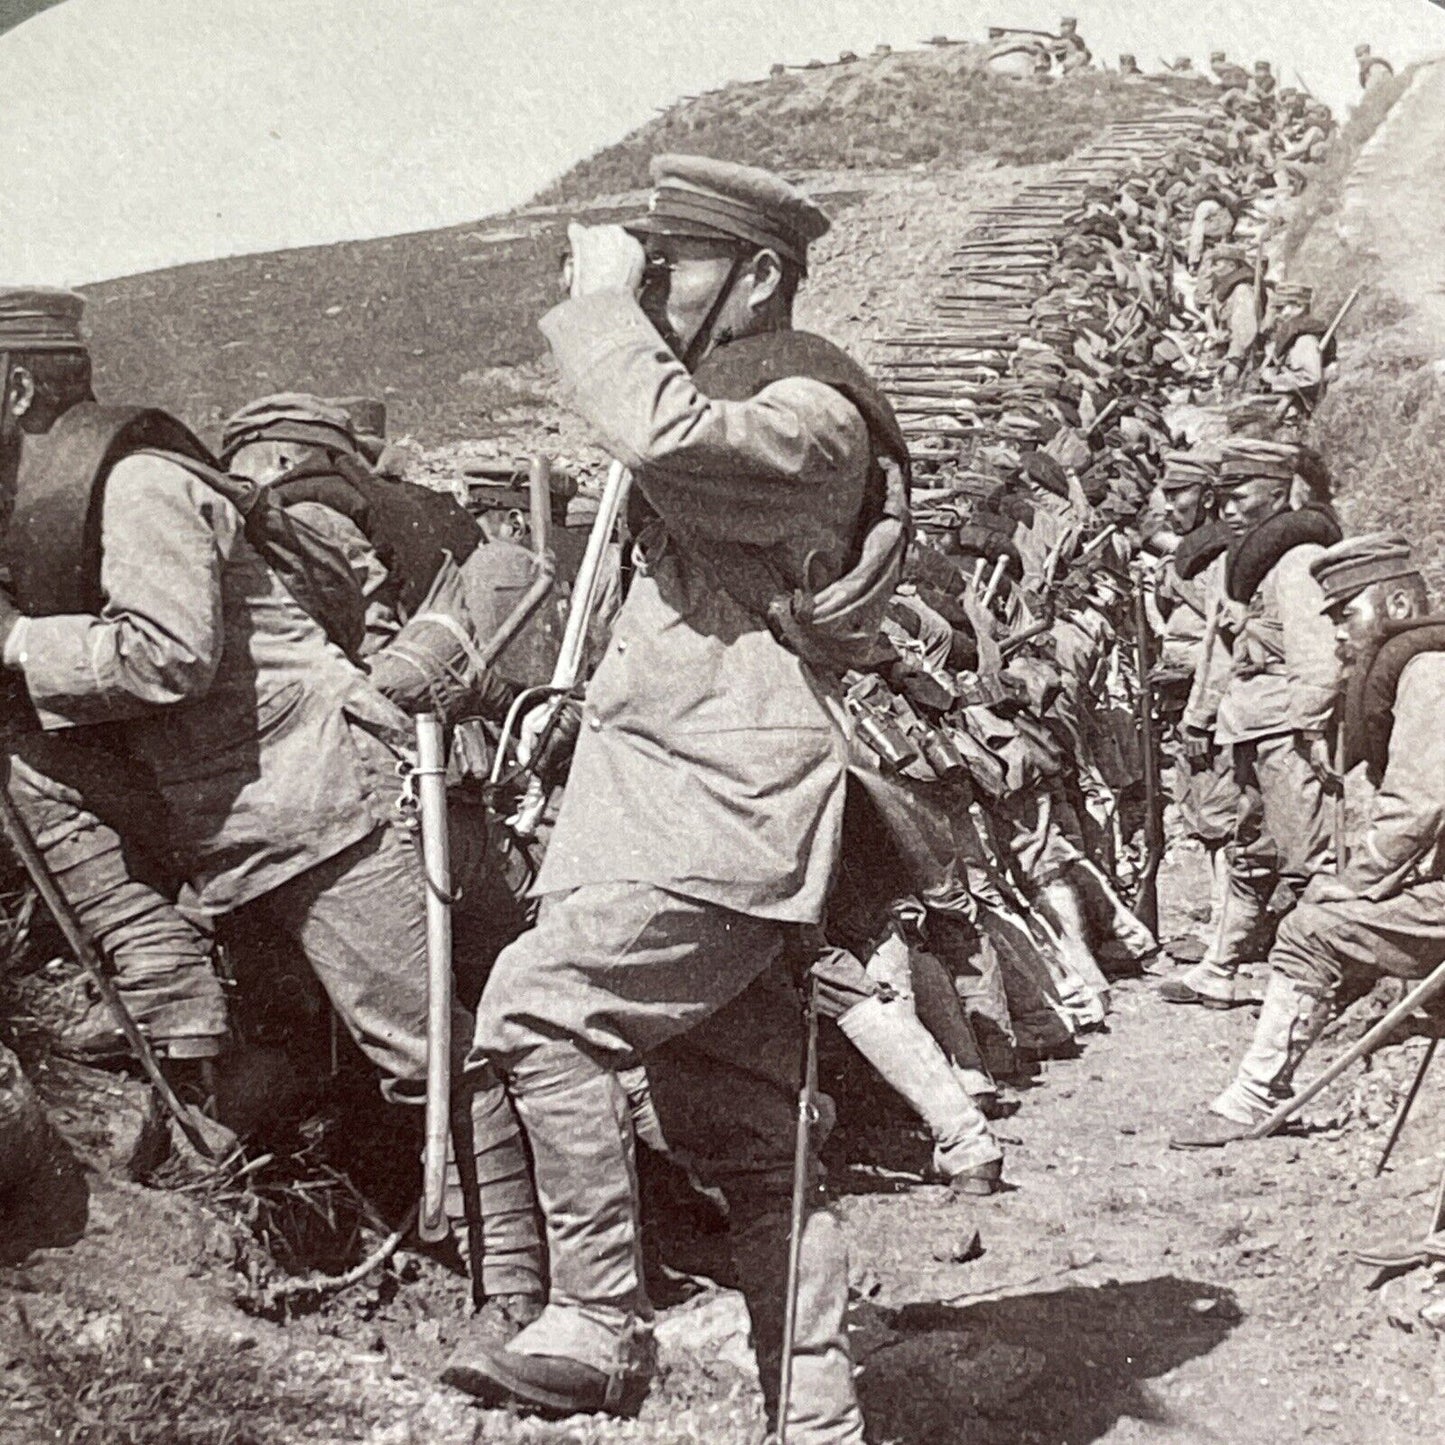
(1116, 1292)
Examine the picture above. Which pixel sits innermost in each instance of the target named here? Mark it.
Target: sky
(136, 134)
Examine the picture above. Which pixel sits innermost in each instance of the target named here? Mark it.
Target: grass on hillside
(434, 322)
(422, 321)
(892, 117)
(1382, 422)
(1384, 433)
(1322, 197)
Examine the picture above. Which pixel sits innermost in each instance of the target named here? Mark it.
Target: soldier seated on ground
(1373, 69)
(1383, 911)
(1296, 356)
(1068, 50)
(434, 593)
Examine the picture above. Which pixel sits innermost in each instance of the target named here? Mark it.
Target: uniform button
(622, 644)
(595, 723)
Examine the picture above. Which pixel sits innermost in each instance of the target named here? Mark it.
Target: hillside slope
(1377, 220)
(930, 107)
(442, 323)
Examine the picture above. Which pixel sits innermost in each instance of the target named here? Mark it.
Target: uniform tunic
(1285, 676)
(707, 763)
(1396, 922)
(264, 741)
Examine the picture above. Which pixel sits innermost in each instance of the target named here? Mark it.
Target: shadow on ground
(51, 1211)
(1038, 1369)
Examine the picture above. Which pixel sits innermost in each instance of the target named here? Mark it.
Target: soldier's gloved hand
(1198, 746)
(1316, 753)
(604, 258)
(549, 749)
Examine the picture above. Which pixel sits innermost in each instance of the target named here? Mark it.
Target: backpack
(52, 543)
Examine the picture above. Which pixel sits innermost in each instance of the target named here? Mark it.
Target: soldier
(1228, 75)
(1262, 83)
(1295, 356)
(1373, 69)
(1068, 50)
(703, 815)
(1231, 305)
(1276, 704)
(1192, 586)
(93, 819)
(275, 760)
(1385, 911)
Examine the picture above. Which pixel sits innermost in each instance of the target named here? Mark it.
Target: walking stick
(1342, 842)
(1406, 1104)
(802, 1182)
(437, 866)
(1367, 1044)
(1154, 816)
(18, 835)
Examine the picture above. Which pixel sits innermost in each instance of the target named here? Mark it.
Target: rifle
(568, 668)
(430, 772)
(1417, 998)
(1148, 908)
(802, 1159)
(1340, 315)
(209, 1139)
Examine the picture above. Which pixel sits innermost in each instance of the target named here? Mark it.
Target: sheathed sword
(570, 658)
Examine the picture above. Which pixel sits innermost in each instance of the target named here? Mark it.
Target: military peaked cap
(289, 416)
(1247, 459)
(1346, 569)
(700, 197)
(1199, 468)
(40, 318)
(1295, 293)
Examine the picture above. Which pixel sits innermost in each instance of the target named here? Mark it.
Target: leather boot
(1211, 982)
(96, 1039)
(1041, 1024)
(591, 1349)
(824, 1405)
(906, 1056)
(970, 960)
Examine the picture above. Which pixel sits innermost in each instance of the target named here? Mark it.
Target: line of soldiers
(815, 746)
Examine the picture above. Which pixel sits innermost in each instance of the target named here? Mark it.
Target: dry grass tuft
(123, 1382)
(1383, 430)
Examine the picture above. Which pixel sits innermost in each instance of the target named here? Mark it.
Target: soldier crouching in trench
(702, 822)
(148, 614)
